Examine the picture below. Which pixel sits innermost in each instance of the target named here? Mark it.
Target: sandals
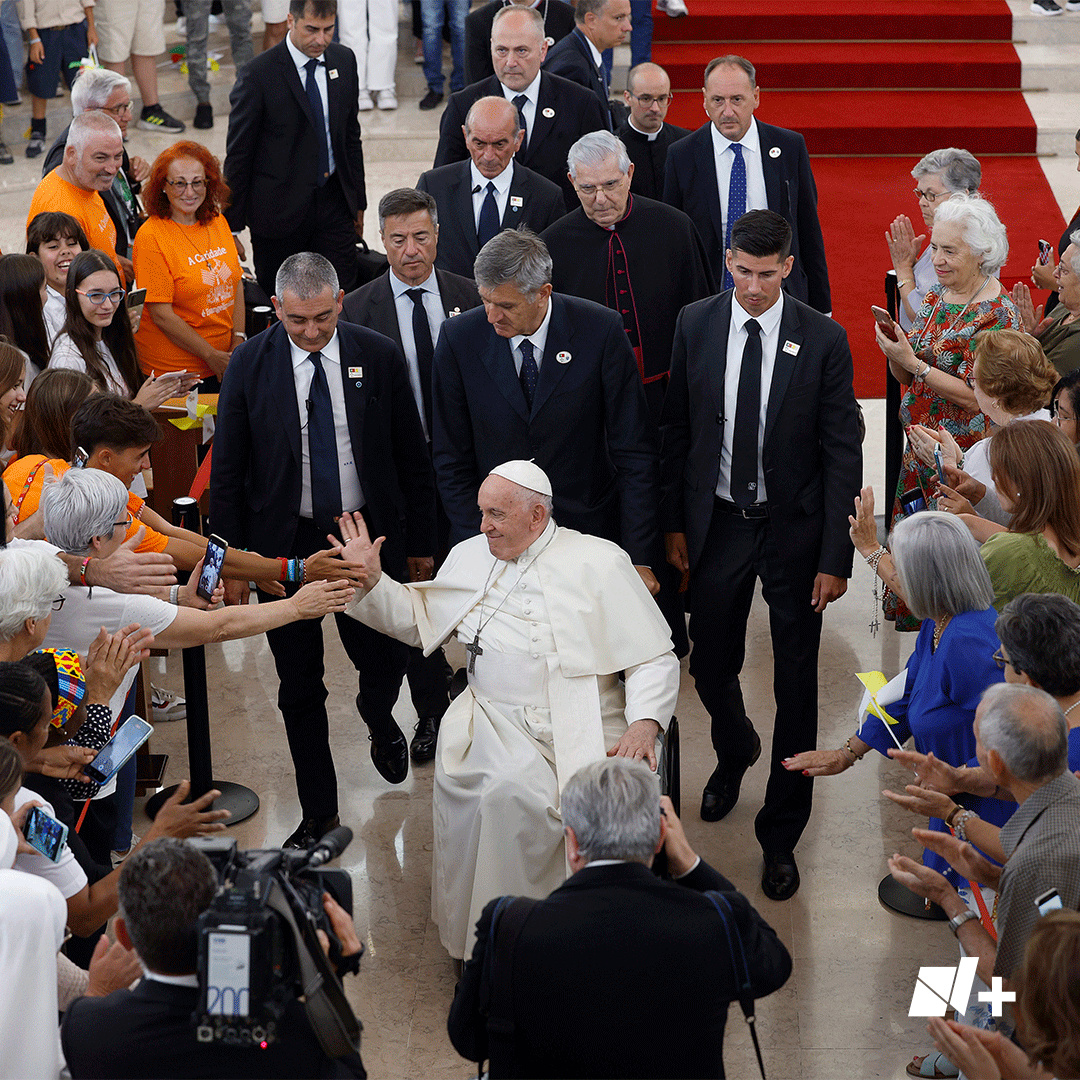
(934, 1065)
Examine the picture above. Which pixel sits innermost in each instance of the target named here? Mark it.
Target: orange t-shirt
(25, 478)
(86, 207)
(195, 269)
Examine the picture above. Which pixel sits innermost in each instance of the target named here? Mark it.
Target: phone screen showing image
(913, 501)
(44, 833)
(212, 563)
(114, 754)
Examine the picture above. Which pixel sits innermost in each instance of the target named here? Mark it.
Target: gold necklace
(939, 629)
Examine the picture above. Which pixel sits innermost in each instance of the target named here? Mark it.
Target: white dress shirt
(299, 59)
(433, 309)
(539, 340)
(502, 184)
(769, 321)
(532, 92)
(352, 498)
(756, 197)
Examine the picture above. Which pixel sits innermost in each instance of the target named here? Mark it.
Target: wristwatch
(958, 920)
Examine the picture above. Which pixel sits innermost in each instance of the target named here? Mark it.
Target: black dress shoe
(722, 790)
(422, 747)
(389, 750)
(780, 877)
(430, 100)
(310, 831)
(204, 116)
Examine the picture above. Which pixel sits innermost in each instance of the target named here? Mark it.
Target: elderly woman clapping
(935, 564)
(935, 361)
(1059, 334)
(938, 177)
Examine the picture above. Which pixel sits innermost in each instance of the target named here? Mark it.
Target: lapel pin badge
(549, 112)
(792, 347)
(550, 41)
(516, 202)
(563, 357)
(455, 311)
(774, 151)
(332, 73)
(356, 373)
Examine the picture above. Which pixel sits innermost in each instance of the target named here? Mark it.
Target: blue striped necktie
(736, 202)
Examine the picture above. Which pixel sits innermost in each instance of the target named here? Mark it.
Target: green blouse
(1023, 563)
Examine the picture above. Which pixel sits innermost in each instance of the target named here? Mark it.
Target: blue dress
(938, 708)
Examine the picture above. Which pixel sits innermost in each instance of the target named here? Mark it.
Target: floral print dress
(944, 336)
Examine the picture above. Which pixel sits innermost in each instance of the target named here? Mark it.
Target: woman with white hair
(934, 562)
(938, 176)
(936, 360)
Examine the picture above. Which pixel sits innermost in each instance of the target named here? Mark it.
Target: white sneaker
(1046, 7)
(119, 856)
(167, 705)
(366, 104)
(674, 9)
(387, 99)
(181, 27)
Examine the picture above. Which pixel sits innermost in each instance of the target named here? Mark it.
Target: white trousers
(369, 28)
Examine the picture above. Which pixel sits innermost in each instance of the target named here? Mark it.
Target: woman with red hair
(185, 257)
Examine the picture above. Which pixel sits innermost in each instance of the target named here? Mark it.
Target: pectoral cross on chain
(474, 650)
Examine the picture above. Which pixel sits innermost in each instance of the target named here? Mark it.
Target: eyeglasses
(607, 187)
(648, 99)
(1001, 660)
(931, 196)
(126, 523)
(118, 110)
(58, 603)
(182, 185)
(97, 297)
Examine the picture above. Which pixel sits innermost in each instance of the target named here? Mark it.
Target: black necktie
(530, 373)
(489, 216)
(520, 101)
(744, 443)
(322, 450)
(425, 351)
(315, 98)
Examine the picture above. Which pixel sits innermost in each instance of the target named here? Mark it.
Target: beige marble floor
(844, 1011)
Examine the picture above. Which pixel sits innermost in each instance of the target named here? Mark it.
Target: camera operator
(147, 1032)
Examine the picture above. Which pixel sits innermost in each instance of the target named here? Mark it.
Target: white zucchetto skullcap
(527, 474)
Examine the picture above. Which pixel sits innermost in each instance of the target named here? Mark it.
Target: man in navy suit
(316, 418)
(761, 464)
(552, 378)
(554, 112)
(293, 157)
(734, 164)
(409, 304)
(558, 1007)
(600, 25)
(491, 191)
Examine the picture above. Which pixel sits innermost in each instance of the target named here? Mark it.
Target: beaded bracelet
(875, 557)
(293, 570)
(960, 828)
(82, 573)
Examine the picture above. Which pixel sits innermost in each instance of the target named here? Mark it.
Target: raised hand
(359, 550)
(922, 801)
(930, 771)
(904, 245)
(319, 598)
(863, 531)
(110, 657)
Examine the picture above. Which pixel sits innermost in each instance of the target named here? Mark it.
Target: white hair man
(549, 618)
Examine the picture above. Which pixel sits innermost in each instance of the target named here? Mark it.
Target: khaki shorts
(275, 11)
(129, 26)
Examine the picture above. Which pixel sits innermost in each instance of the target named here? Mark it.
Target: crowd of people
(597, 389)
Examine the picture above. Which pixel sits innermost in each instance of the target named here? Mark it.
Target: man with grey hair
(1022, 744)
(639, 257)
(734, 164)
(163, 889)
(549, 617)
(317, 417)
(551, 377)
(615, 933)
(93, 155)
(491, 191)
(645, 133)
(409, 304)
(599, 25)
(554, 111)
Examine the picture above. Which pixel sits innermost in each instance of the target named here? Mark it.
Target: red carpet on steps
(857, 200)
(872, 85)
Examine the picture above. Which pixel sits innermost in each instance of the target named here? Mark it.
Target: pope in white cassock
(549, 618)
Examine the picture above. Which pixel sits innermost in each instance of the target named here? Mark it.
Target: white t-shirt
(65, 354)
(67, 875)
(54, 312)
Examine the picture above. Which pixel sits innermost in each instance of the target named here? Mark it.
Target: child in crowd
(55, 239)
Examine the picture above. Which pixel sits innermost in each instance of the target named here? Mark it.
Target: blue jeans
(13, 47)
(432, 14)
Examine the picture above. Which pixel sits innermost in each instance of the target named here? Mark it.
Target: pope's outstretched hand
(359, 551)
